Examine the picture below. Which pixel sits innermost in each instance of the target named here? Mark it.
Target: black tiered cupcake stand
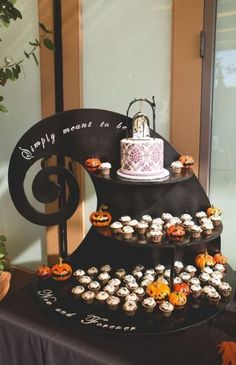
(79, 134)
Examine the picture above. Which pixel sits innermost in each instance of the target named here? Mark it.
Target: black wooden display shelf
(145, 241)
(116, 179)
(57, 299)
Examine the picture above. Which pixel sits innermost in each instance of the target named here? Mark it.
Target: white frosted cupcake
(149, 304)
(115, 282)
(132, 285)
(133, 223)
(140, 292)
(128, 278)
(116, 227)
(77, 291)
(146, 218)
(205, 220)
(122, 292)
(79, 273)
(94, 286)
(142, 227)
(175, 220)
(213, 298)
(208, 289)
(125, 219)
(105, 168)
(216, 220)
(150, 272)
(196, 290)
(167, 273)
(178, 266)
(166, 308)
(120, 273)
(158, 221)
(207, 269)
(104, 277)
(92, 271)
(177, 280)
(225, 289)
(188, 224)
(85, 280)
(145, 282)
(217, 275)
(191, 270)
(155, 227)
(127, 232)
(113, 302)
(207, 228)
(109, 289)
(88, 296)
(196, 231)
(132, 297)
(159, 269)
(214, 282)
(219, 267)
(106, 268)
(200, 215)
(166, 217)
(156, 236)
(102, 296)
(185, 276)
(186, 217)
(137, 274)
(194, 281)
(176, 167)
(204, 278)
(130, 307)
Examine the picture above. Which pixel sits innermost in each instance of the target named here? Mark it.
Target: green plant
(4, 264)
(11, 69)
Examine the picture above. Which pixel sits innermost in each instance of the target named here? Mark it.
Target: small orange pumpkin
(175, 232)
(213, 211)
(61, 271)
(220, 259)
(92, 164)
(158, 290)
(204, 259)
(178, 299)
(182, 288)
(101, 218)
(187, 161)
(43, 271)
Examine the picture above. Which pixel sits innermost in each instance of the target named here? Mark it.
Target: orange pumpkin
(158, 290)
(92, 164)
(187, 161)
(204, 259)
(178, 299)
(182, 288)
(43, 271)
(220, 259)
(175, 232)
(213, 211)
(61, 271)
(101, 218)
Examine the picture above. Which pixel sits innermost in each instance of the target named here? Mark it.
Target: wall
(22, 98)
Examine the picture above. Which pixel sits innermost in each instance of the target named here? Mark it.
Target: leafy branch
(9, 68)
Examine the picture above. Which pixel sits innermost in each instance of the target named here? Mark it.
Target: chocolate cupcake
(166, 308)
(149, 304)
(88, 296)
(113, 302)
(77, 291)
(102, 296)
(130, 307)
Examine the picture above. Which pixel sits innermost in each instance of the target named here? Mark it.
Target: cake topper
(140, 122)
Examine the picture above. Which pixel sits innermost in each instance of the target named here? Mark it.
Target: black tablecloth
(29, 336)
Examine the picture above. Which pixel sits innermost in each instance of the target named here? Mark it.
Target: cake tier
(142, 159)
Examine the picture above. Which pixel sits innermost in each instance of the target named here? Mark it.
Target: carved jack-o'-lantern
(178, 299)
(61, 271)
(43, 271)
(92, 164)
(158, 290)
(101, 218)
(182, 288)
(213, 211)
(175, 232)
(204, 259)
(220, 259)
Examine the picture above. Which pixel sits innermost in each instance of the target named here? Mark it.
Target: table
(29, 336)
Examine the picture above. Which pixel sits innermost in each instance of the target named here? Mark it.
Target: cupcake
(205, 220)
(92, 271)
(115, 282)
(214, 282)
(105, 168)
(146, 218)
(216, 220)
(155, 227)
(140, 292)
(185, 217)
(194, 281)
(150, 272)
(132, 285)
(128, 278)
(109, 289)
(85, 280)
(139, 267)
(132, 297)
(142, 227)
(137, 274)
(77, 291)
(225, 289)
(177, 280)
(207, 270)
(149, 277)
(166, 308)
(208, 289)
(94, 286)
(159, 269)
(122, 292)
(106, 268)
(127, 232)
(185, 276)
(130, 307)
(104, 277)
(188, 224)
(161, 279)
(113, 302)
(149, 304)
(217, 275)
(196, 290)
(200, 215)
(176, 167)
(166, 217)
(79, 273)
(204, 278)
(125, 219)
(167, 273)
(102, 296)
(133, 223)
(145, 282)
(158, 221)
(156, 236)
(116, 227)
(178, 266)
(191, 270)
(207, 228)
(213, 298)
(175, 220)
(120, 273)
(219, 267)
(195, 231)
(88, 296)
